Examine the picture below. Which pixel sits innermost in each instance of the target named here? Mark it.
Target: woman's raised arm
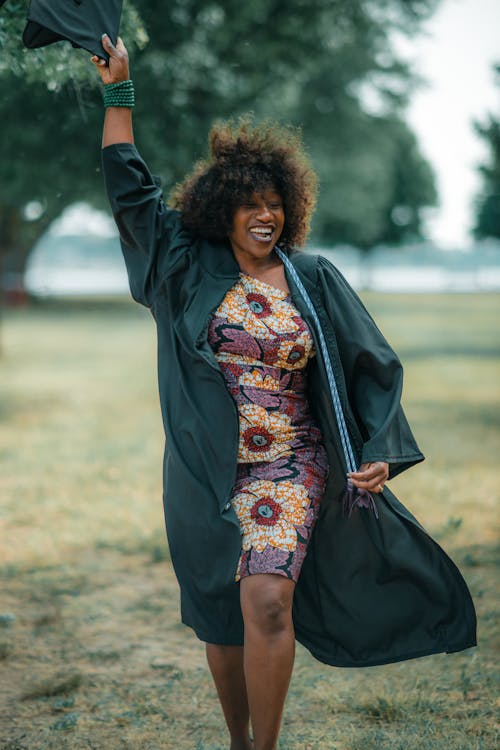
(152, 238)
(118, 120)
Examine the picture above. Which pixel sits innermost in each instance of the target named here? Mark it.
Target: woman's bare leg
(226, 666)
(266, 603)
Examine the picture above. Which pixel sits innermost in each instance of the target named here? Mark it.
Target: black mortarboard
(81, 22)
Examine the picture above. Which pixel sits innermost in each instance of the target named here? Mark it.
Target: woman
(253, 457)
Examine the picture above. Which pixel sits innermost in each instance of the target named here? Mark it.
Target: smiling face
(257, 227)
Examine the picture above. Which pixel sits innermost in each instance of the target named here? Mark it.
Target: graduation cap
(81, 22)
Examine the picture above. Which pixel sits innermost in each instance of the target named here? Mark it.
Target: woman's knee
(266, 602)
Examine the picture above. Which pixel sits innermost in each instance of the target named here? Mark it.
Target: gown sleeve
(153, 241)
(373, 375)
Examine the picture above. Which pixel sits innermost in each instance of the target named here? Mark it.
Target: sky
(455, 56)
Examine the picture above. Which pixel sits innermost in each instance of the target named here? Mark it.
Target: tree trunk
(17, 237)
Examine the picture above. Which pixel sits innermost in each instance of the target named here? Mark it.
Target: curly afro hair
(245, 158)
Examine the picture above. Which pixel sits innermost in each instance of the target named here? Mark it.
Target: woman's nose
(264, 213)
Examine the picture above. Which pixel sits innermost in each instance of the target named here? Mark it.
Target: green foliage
(55, 65)
(488, 204)
(374, 181)
(52, 159)
(51, 113)
(311, 63)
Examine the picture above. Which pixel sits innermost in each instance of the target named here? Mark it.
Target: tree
(488, 203)
(374, 181)
(51, 111)
(308, 62)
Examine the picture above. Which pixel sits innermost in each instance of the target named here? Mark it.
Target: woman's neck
(272, 272)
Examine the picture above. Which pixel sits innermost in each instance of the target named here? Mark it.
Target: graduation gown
(370, 591)
(81, 22)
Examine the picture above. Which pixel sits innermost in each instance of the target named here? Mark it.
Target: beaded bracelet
(119, 94)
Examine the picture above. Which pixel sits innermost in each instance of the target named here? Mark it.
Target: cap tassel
(355, 497)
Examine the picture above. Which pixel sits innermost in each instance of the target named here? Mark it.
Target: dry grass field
(92, 654)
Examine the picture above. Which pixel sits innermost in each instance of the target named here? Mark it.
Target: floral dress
(263, 346)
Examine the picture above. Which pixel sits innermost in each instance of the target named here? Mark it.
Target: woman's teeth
(261, 233)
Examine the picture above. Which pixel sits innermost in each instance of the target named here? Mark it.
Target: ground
(92, 652)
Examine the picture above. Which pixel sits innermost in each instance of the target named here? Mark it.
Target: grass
(92, 654)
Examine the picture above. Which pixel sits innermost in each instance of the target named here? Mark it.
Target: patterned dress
(263, 346)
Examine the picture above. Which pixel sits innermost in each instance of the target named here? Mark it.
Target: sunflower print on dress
(263, 348)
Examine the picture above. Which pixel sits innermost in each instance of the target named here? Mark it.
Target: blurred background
(399, 105)
(398, 101)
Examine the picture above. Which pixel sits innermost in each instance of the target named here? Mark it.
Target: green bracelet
(119, 94)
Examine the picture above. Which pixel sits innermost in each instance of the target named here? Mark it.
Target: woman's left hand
(117, 69)
(371, 476)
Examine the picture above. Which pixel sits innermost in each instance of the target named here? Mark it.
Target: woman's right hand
(118, 69)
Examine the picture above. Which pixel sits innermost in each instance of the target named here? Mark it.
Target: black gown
(370, 591)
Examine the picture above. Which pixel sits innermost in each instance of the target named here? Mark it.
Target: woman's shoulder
(315, 266)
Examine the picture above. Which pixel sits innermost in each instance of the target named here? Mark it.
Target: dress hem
(343, 663)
